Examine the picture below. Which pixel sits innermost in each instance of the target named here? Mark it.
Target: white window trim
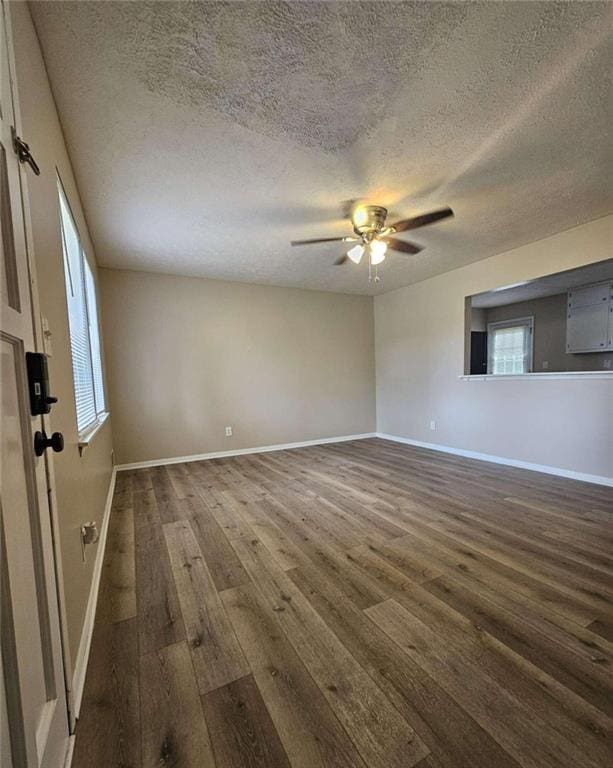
(524, 321)
(87, 434)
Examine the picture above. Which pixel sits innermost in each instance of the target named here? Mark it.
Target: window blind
(94, 338)
(83, 323)
(509, 350)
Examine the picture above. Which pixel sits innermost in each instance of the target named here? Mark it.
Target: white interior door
(34, 719)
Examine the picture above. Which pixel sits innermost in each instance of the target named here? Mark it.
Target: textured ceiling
(545, 286)
(206, 136)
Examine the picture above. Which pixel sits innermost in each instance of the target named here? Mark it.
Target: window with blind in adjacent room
(83, 323)
(509, 345)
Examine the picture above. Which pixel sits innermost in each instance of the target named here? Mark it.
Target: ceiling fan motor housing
(369, 218)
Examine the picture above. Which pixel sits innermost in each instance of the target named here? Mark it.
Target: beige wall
(419, 340)
(187, 357)
(549, 315)
(81, 482)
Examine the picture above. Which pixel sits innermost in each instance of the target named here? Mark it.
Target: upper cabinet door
(587, 328)
(588, 323)
(589, 294)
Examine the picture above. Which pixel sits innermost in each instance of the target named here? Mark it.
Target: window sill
(86, 437)
(545, 376)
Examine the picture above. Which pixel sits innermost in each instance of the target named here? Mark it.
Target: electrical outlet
(89, 535)
(433, 425)
(606, 364)
(228, 431)
(545, 364)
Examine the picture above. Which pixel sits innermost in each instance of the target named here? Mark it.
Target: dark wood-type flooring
(350, 605)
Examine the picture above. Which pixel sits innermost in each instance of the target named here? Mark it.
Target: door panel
(33, 698)
(16, 501)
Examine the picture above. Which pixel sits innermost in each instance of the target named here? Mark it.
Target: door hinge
(23, 152)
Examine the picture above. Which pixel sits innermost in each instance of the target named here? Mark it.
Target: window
(509, 345)
(83, 323)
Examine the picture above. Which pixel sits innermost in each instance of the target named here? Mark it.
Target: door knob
(42, 442)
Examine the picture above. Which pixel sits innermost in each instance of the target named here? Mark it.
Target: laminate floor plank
(351, 513)
(220, 558)
(309, 518)
(173, 727)
(123, 490)
(242, 732)
(594, 551)
(165, 495)
(309, 730)
(216, 653)
(583, 720)
(542, 559)
(362, 590)
(109, 721)
(364, 604)
(225, 509)
(527, 532)
(157, 605)
(425, 543)
(454, 738)
(603, 628)
(381, 735)
(593, 591)
(488, 481)
(574, 518)
(260, 519)
(585, 669)
(140, 479)
(485, 583)
(586, 703)
(181, 480)
(517, 727)
(119, 567)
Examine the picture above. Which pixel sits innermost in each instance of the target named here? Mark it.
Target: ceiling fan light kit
(377, 251)
(374, 237)
(356, 253)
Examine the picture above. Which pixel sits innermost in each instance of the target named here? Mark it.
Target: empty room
(306, 419)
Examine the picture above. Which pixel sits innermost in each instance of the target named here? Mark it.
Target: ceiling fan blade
(341, 260)
(403, 246)
(323, 240)
(421, 221)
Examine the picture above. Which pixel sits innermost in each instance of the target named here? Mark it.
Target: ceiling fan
(374, 237)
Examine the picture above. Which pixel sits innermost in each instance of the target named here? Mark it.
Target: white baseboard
(80, 668)
(582, 476)
(69, 751)
(242, 451)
